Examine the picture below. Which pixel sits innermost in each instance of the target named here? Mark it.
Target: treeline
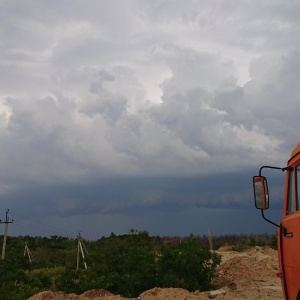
(126, 264)
(239, 242)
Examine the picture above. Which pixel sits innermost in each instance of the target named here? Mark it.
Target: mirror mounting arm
(269, 221)
(270, 167)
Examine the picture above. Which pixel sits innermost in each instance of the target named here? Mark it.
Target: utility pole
(5, 233)
(80, 249)
(210, 241)
(26, 250)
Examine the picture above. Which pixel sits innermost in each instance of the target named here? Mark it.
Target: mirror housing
(261, 193)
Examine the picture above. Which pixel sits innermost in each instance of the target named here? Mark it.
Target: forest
(125, 264)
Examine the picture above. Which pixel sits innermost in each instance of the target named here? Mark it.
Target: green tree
(273, 243)
(188, 265)
(130, 264)
(13, 282)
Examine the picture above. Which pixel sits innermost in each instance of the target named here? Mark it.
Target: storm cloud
(129, 114)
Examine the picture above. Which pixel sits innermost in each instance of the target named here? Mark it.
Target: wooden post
(5, 233)
(80, 249)
(210, 241)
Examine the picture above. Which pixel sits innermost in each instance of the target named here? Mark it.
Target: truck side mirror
(261, 193)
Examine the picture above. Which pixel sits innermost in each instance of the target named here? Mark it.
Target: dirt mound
(48, 295)
(89, 295)
(249, 275)
(96, 293)
(170, 293)
(225, 248)
(248, 269)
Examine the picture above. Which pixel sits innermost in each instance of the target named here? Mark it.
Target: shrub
(188, 265)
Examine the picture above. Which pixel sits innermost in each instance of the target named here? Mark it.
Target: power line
(42, 226)
(31, 227)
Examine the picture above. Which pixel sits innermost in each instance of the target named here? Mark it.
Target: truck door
(290, 235)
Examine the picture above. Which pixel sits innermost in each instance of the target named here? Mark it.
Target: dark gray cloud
(170, 206)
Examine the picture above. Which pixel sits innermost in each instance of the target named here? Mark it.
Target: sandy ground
(245, 275)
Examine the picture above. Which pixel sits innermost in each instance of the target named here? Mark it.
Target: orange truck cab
(288, 229)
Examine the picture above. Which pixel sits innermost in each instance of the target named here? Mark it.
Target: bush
(188, 265)
(273, 243)
(241, 246)
(13, 282)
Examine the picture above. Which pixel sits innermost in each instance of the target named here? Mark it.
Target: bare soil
(241, 275)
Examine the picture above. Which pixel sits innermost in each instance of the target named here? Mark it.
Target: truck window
(291, 198)
(297, 187)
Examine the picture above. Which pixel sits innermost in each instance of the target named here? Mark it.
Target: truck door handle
(285, 233)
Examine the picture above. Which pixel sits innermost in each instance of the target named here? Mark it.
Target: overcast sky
(151, 115)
